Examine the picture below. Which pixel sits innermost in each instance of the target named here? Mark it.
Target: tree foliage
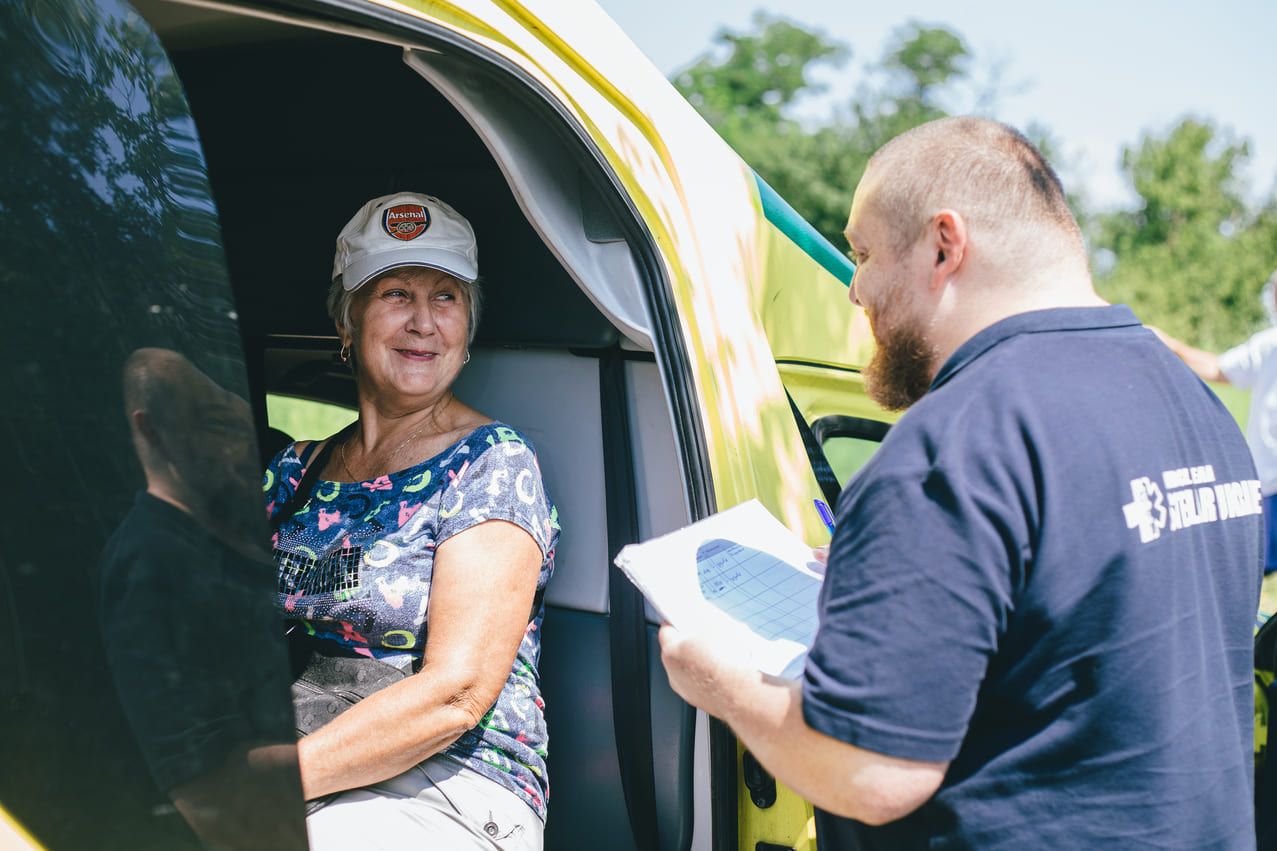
(1190, 258)
(119, 192)
(920, 64)
(1194, 255)
(762, 74)
(747, 89)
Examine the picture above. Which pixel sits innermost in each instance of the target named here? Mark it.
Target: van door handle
(761, 785)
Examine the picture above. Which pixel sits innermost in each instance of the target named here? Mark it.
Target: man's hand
(706, 669)
(766, 714)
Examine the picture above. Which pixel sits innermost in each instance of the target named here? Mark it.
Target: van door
(145, 701)
(563, 351)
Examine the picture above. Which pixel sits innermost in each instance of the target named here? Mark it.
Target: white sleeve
(1241, 364)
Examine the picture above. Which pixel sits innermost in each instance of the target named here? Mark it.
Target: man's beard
(899, 373)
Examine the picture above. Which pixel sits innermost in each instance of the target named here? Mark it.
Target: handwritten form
(740, 571)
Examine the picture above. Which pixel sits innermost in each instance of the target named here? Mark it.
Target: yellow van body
(760, 295)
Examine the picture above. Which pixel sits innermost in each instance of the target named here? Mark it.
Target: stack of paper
(740, 571)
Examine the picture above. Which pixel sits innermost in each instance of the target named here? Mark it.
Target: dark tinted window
(145, 687)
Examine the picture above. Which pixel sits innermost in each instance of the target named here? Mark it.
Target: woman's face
(410, 335)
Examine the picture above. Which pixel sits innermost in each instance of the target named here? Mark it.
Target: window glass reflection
(187, 609)
(146, 692)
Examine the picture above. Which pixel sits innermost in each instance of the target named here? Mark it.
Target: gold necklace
(352, 476)
(345, 463)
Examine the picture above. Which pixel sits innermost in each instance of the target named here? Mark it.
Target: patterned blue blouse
(355, 566)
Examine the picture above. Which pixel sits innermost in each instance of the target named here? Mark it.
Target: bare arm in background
(1205, 364)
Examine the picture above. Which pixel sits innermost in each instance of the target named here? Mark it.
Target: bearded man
(1036, 621)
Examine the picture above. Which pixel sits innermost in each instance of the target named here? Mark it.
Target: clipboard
(740, 571)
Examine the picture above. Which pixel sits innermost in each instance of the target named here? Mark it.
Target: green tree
(920, 65)
(1193, 256)
(747, 92)
(762, 74)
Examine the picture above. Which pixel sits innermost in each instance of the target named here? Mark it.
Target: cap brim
(360, 272)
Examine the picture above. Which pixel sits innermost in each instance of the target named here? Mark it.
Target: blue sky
(1097, 74)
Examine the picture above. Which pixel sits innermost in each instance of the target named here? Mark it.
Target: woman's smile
(417, 354)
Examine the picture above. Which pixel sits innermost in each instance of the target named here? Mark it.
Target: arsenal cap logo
(404, 229)
(405, 221)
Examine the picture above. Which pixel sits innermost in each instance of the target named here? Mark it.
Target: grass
(1236, 401)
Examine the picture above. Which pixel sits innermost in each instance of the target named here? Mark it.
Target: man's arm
(1205, 364)
(767, 714)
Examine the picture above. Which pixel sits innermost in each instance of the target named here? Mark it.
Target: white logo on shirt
(1147, 510)
(1191, 497)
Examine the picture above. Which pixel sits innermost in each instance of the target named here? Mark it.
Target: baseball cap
(405, 229)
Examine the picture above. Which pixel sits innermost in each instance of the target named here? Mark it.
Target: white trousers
(438, 804)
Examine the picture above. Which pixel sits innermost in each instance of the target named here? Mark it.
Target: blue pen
(825, 514)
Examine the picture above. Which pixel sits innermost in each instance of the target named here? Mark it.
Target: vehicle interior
(301, 122)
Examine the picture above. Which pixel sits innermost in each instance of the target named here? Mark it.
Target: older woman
(423, 542)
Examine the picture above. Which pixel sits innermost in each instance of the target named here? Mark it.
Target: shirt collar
(1035, 322)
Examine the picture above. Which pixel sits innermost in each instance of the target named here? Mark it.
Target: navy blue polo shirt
(1047, 575)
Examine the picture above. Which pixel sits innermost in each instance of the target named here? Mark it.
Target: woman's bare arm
(481, 591)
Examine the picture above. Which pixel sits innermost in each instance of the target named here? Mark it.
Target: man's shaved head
(986, 171)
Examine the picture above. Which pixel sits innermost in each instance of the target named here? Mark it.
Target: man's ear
(145, 427)
(144, 424)
(949, 242)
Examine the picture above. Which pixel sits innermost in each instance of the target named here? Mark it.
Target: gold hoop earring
(344, 354)
(467, 360)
